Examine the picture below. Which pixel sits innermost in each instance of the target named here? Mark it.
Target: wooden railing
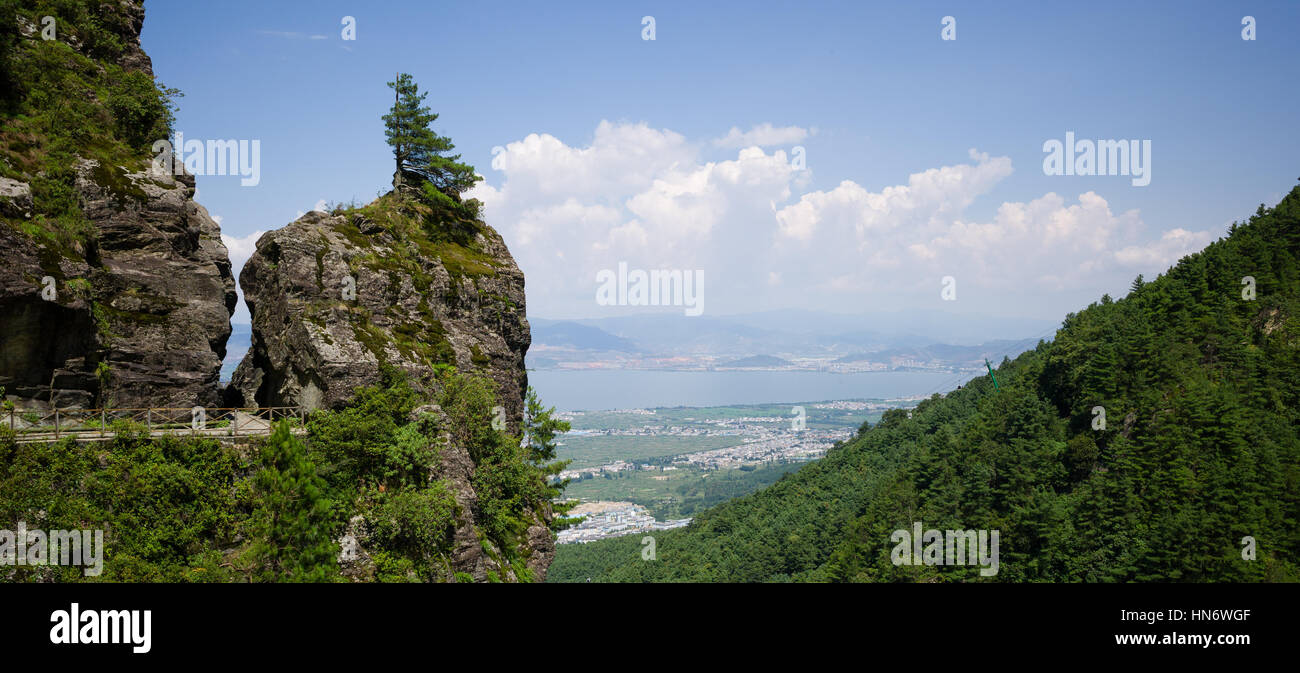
(55, 424)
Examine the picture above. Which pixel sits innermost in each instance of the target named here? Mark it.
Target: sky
(839, 157)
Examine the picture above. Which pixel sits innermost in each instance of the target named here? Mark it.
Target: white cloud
(647, 197)
(763, 135)
(1172, 246)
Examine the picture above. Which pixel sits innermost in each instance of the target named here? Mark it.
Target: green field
(679, 493)
(703, 416)
(684, 492)
(601, 449)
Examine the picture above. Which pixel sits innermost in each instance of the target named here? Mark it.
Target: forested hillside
(1199, 381)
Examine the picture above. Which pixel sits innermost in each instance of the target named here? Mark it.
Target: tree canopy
(423, 158)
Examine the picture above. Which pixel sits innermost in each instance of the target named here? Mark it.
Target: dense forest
(1145, 442)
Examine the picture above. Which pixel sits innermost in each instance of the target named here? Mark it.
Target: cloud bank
(650, 197)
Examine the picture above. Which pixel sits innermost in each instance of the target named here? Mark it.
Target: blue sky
(879, 98)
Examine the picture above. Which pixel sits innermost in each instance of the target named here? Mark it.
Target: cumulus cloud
(240, 248)
(647, 197)
(1172, 246)
(928, 197)
(763, 135)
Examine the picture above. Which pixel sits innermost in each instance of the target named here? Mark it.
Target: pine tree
(294, 517)
(422, 156)
(540, 431)
(1137, 284)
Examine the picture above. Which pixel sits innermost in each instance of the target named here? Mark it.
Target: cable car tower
(992, 375)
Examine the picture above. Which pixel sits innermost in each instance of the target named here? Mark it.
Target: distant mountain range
(993, 350)
(241, 339)
(759, 340)
(780, 335)
(580, 337)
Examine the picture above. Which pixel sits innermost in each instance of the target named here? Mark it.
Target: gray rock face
(468, 553)
(136, 314)
(334, 297)
(137, 318)
(15, 199)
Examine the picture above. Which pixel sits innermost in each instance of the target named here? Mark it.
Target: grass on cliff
(417, 232)
(61, 103)
(424, 228)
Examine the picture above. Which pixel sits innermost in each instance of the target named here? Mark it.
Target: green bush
(187, 509)
(140, 110)
(419, 522)
(165, 504)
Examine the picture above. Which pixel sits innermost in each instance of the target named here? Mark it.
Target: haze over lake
(573, 390)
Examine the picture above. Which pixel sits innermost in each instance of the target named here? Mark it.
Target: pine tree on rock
(423, 160)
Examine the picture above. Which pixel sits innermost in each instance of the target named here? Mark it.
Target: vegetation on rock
(63, 103)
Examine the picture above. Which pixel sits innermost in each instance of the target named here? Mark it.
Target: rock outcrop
(137, 317)
(126, 300)
(471, 553)
(335, 296)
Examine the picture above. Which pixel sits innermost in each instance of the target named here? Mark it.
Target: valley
(635, 470)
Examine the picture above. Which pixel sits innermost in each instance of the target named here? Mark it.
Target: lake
(574, 390)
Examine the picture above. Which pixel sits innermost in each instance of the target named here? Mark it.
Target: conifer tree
(294, 520)
(540, 432)
(422, 157)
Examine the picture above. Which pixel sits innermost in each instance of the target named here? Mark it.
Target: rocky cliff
(335, 296)
(116, 289)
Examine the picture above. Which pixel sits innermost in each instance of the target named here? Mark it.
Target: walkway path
(98, 424)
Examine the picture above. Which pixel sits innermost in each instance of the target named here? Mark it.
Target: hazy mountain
(241, 339)
(756, 361)
(787, 333)
(993, 350)
(582, 337)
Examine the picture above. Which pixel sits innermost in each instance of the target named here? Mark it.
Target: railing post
(236, 422)
(103, 421)
(56, 422)
(148, 420)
